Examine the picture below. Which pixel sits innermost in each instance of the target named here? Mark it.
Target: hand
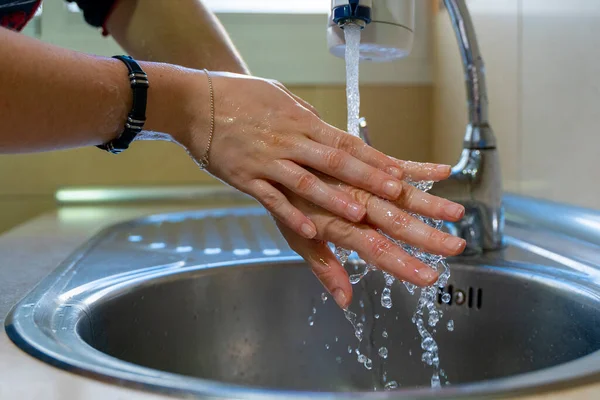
(370, 245)
(267, 140)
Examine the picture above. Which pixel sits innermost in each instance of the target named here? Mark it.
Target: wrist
(178, 102)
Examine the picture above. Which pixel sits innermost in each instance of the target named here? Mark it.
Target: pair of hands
(322, 184)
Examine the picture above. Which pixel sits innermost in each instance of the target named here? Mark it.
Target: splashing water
(426, 308)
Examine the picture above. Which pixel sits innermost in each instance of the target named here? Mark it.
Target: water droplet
(349, 349)
(338, 359)
(433, 318)
(384, 334)
(391, 385)
(376, 316)
(361, 358)
(389, 279)
(323, 297)
(336, 339)
(427, 358)
(435, 381)
(428, 344)
(314, 310)
(368, 363)
(361, 304)
(326, 347)
(386, 299)
(450, 325)
(383, 352)
(410, 287)
(311, 321)
(446, 298)
(342, 254)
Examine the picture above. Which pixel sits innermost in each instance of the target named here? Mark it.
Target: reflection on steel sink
(215, 304)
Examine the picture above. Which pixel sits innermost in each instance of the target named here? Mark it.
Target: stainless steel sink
(214, 304)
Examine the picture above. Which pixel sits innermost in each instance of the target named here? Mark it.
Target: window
(269, 6)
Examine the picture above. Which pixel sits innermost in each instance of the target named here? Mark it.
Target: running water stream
(427, 314)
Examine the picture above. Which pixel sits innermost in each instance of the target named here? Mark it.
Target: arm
(182, 32)
(53, 98)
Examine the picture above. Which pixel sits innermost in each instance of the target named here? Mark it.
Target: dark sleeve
(95, 12)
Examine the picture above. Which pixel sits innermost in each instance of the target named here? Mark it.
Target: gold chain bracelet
(204, 160)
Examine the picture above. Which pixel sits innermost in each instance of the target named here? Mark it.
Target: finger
(417, 171)
(330, 136)
(310, 187)
(278, 205)
(376, 249)
(324, 265)
(428, 205)
(399, 225)
(348, 169)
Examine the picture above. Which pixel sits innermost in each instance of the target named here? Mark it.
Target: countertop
(32, 250)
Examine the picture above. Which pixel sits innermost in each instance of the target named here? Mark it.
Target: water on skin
(426, 308)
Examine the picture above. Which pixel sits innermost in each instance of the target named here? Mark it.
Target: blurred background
(542, 70)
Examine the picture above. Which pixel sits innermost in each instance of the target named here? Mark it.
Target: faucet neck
(479, 135)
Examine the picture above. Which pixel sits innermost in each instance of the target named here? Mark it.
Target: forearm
(182, 32)
(53, 98)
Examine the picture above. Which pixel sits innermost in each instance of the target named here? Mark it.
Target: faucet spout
(351, 11)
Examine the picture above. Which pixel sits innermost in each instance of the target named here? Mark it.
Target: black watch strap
(137, 116)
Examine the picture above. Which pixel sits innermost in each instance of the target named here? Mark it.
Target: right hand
(267, 141)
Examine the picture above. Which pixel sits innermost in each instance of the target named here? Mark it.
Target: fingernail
(356, 211)
(395, 172)
(443, 168)
(427, 275)
(340, 298)
(392, 189)
(453, 244)
(308, 231)
(454, 210)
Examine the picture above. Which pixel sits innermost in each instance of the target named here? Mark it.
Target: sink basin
(214, 304)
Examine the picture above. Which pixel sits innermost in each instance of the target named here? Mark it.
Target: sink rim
(21, 328)
(104, 367)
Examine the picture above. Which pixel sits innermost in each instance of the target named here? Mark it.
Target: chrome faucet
(476, 180)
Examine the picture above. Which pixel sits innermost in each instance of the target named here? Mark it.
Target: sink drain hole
(472, 298)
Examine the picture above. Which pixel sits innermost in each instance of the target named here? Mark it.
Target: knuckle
(346, 143)
(368, 176)
(408, 193)
(272, 201)
(336, 229)
(306, 182)
(379, 247)
(435, 236)
(363, 197)
(400, 222)
(335, 160)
